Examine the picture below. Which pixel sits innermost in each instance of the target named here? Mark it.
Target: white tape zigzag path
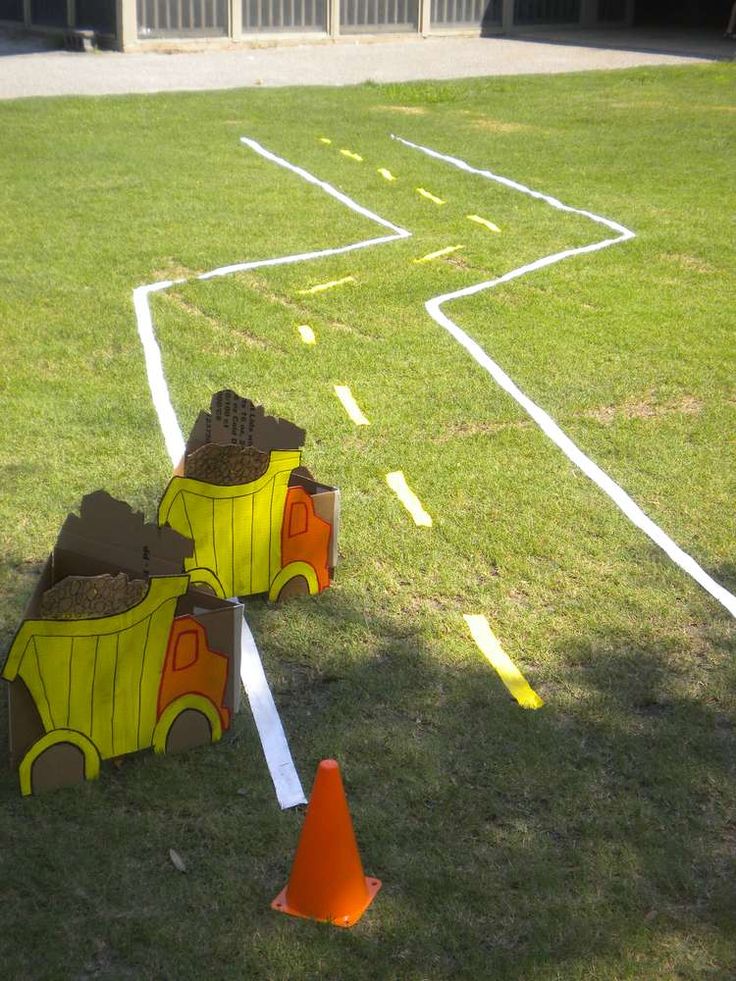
(270, 730)
(275, 747)
(545, 422)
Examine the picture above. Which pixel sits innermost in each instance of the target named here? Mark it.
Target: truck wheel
(207, 581)
(189, 729)
(281, 587)
(189, 720)
(298, 586)
(61, 758)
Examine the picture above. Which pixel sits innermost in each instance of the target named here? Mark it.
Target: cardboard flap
(326, 502)
(234, 419)
(108, 535)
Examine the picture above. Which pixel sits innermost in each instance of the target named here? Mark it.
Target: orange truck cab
(194, 678)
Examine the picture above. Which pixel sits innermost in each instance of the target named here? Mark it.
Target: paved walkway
(27, 69)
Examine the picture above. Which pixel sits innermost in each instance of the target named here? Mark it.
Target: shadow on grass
(592, 838)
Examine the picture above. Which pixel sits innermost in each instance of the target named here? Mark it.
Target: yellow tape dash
(438, 255)
(397, 482)
(386, 174)
(499, 659)
(325, 140)
(351, 156)
(307, 334)
(485, 222)
(321, 287)
(429, 196)
(350, 405)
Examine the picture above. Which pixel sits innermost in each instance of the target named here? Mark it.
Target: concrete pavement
(27, 69)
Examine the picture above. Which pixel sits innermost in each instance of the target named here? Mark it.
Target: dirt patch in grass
(640, 104)
(192, 310)
(174, 270)
(464, 429)
(404, 110)
(348, 329)
(646, 408)
(301, 311)
(488, 125)
(687, 262)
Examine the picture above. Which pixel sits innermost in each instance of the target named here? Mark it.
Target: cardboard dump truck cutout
(164, 672)
(259, 522)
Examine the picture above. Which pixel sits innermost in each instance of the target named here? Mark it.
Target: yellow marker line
(350, 405)
(507, 670)
(439, 254)
(351, 155)
(397, 482)
(307, 334)
(484, 221)
(429, 196)
(386, 174)
(325, 140)
(321, 287)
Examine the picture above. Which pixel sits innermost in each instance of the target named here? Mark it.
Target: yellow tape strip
(325, 140)
(439, 254)
(321, 287)
(429, 196)
(485, 222)
(386, 174)
(351, 155)
(350, 405)
(307, 334)
(507, 670)
(397, 482)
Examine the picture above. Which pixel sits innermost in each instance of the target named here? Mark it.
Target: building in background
(140, 24)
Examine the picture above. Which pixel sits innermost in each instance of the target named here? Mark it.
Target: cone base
(281, 904)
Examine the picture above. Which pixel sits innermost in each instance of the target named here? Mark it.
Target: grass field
(594, 838)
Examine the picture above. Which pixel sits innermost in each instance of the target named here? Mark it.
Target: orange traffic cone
(327, 881)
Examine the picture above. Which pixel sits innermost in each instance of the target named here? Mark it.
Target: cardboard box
(274, 533)
(163, 673)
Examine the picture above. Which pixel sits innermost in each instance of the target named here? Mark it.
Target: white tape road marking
(545, 422)
(271, 733)
(283, 777)
(275, 747)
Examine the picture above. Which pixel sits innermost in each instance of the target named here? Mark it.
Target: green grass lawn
(595, 838)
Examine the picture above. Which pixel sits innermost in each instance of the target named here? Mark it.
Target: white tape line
(397, 482)
(170, 428)
(152, 353)
(273, 738)
(350, 405)
(268, 720)
(545, 422)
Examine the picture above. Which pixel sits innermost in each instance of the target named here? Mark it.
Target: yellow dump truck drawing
(257, 537)
(107, 686)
